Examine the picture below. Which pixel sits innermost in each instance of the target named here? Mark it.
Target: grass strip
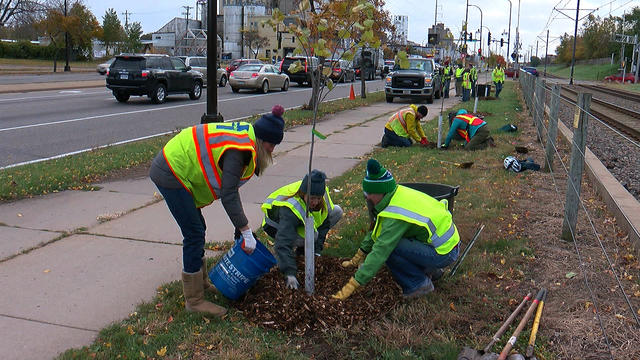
(581, 72)
(463, 311)
(82, 171)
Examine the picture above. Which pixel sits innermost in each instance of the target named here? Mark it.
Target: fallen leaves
(162, 352)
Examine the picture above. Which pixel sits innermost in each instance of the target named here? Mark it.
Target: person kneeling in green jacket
(285, 210)
(414, 235)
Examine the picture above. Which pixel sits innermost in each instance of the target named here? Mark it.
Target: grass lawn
(37, 63)
(80, 172)
(628, 87)
(581, 72)
(463, 311)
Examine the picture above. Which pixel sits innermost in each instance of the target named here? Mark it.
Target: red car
(239, 62)
(628, 78)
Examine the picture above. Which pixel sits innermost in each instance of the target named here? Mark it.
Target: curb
(21, 88)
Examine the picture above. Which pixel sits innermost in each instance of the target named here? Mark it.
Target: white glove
(248, 241)
(292, 282)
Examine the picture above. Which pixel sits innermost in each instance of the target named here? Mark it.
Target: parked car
(261, 77)
(510, 72)
(310, 65)
(628, 78)
(341, 70)
(102, 68)
(239, 62)
(420, 80)
(199, 63)
(153, 75)
(531, 70)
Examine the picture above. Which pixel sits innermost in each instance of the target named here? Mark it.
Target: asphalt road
(40, 125)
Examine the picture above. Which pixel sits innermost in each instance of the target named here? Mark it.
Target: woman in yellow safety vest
(285, 212)
(414, 235)
(204, 163)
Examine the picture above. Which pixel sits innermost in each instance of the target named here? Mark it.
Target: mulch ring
(270, 304)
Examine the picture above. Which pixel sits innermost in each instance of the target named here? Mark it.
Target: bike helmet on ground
(511, 163)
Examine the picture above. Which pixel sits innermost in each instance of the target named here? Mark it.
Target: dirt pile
(270, 304)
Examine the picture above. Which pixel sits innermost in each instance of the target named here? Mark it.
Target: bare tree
(10, 9)
(254, 41)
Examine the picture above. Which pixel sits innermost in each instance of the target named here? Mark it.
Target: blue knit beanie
(270, 127)
(317, 183)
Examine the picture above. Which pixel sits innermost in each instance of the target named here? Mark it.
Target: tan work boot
(206, 284)
(194, 295)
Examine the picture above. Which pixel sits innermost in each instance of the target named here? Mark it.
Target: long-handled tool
(473, 354)
(521, 325)
(466, 250)
(534, 330)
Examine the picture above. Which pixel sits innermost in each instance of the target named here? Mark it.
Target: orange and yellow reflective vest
(194, 157)
(472, 121)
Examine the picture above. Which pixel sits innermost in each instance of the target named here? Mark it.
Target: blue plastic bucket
(237, 272)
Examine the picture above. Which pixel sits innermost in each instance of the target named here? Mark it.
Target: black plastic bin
(482, 88)
(436, 191)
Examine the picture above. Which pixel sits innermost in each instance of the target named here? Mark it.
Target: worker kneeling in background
(413, 234)
(404, 126)
(470, 128)
(285, 210)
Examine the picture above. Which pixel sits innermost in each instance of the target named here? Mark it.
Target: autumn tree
(53, 26)
(83, 27)
(112, 31)
(254, 41)
(12, 9)
(330, 30)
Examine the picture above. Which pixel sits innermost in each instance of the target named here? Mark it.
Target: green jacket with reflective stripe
(393, 225)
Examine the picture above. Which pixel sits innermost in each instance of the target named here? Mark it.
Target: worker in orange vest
(473, 130)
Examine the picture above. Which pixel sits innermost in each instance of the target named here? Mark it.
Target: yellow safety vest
(421, 209)
(194, 155)
(497, 75)
(474, 73)
(459, 72)
(466, 82)
(285, 196)
(397, 123)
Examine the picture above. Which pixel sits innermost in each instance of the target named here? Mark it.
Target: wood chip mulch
(270, 304)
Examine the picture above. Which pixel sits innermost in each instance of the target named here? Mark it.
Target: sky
(534, 16)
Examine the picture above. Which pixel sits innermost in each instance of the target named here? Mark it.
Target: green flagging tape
(319, 134)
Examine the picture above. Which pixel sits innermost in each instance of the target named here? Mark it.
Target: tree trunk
(363, 77)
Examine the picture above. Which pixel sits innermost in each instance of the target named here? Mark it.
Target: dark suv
(310, 66)
(153, 75)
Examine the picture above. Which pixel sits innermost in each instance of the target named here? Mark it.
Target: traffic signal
(489, 39)
(480, 51)
(433, 39)
(501, 42)
(470, 36)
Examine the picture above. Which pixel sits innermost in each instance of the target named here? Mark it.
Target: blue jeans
(473, 88)
(498, 88)
(466, 94)
(447, 82)
(411, 262)
(191, 223)
(392, 139)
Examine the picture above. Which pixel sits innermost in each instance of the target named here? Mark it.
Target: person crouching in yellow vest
(285, 211)
(404, 126)
(204, 163)
(414, 235)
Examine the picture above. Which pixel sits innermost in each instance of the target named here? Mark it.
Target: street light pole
(478, 7)
(509, 36)
(212, 116)
(518, 40)
(66, 42)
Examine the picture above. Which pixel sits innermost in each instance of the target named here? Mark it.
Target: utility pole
(67, 52)
(509, 36)
(126, 14)
(212, 115)
(466, 28)
(536, 48)
(575, 38)
(435, 18)
(546, 54)
(186, 13)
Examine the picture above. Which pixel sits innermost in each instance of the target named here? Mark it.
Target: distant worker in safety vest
(446, 79)
(204, 163)
(473, 130)
(473, 71)
(466, 83)
(285, 212)
(497, 76)
(404, 126)
(413, 234)
(458, 75)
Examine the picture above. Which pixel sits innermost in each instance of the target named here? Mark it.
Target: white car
(102, 68)
(199, 63)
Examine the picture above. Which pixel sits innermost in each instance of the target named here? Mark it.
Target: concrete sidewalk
(71, 263)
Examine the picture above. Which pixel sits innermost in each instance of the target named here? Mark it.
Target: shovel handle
(534, 329)
(506, 324)
(521, 325)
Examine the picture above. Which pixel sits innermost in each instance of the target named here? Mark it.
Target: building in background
(401, 23)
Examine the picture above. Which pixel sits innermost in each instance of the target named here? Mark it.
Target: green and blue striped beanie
(378, 179)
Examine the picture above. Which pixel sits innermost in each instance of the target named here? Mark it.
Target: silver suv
(199, 63)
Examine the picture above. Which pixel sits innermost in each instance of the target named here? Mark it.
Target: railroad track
(623, 119)
(619, 93)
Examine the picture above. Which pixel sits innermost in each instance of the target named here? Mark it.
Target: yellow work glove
(347, 290)
(357, 259)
